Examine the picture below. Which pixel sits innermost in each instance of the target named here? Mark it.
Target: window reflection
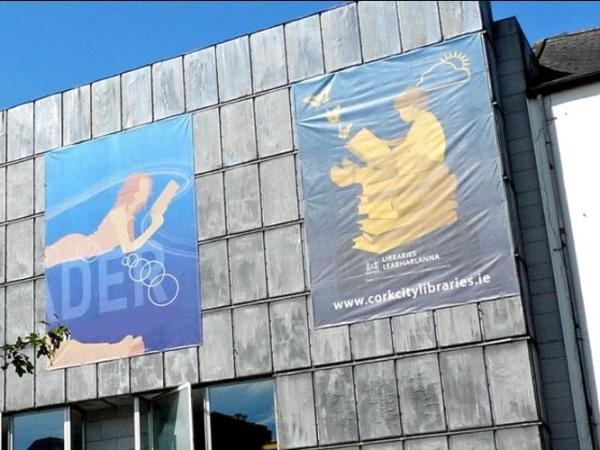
(243, 416)
(39, 430)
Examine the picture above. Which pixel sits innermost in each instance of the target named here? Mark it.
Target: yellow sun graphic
(458, 59)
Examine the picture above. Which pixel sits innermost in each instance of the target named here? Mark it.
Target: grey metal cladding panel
(82, 383)
(233, 68)
(113, 378)
(48, 123)
(372, 338)
(50, 384)
(210, 202)
(503, 318)
(207, 140)
(413, 332)
(296, 423)
(435, 443)
(330, 345)
(247, 265)
(136, 89)
(384, 446)
(181, 366)
(2, 317)
(377, 400)
(525, 438)
(39, 187)
(19, 390)
(304, 51)
(473, 441)
(460, 17)
(2, 194)
(2, 137)
(2, 258)
(19, 250)
(147, 372)
(283, 252)
(267, 50)
(38, 246)
(278, 190)
(273, 123)
(511, 385)
(458, 325)
(216, 351)
(238, 134)
(252, 340)
(420, 392)
(379, 29)
(341, 41)
(419, 23)
(200, 70)
(214, 275)
(289, 333)
(19, 132)
(19, 190)
(465, 389)
(76, 115)
(336, 406)
(167, 88)
(242, 195)
(106, 106)
(19, 310)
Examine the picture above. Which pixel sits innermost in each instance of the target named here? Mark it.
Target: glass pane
(171, 421)
(145, 419)
(39, 430)
(76, 429)
(198, 413)
(242, 416)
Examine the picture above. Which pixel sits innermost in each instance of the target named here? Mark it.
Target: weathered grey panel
(278, 190)
(384, 446)
(273, 123)
(458, 325)
(238, 134)
(243, 198)
(372, 338)
(19, 390)
(341, 42)
(379, 30)
(473, 441)
(2, 143)
(527, 438)
(420, 391)
(19, 190)
(233, 68)
(252, 340)
(285, 271)
(329, 345)
(38, 246)
(50, 384)
(247, 265)
(511, 385)
(167, 88)
(181, 366)
(336, 406)
(81, 383)
(210, 203)
(136, 89)
(304, 52)
(113, 378)
(19, 250)
(465, 389)
(419, 23)
(267, 49)
(414, 332)
(503, 318)
(2, 194)
(377, 400)
(76, 115)
(2, 330)
(200, 70)
(146, 372)
(19, 129)
(459, 17)
(214, 275)
(2, 258)
(19, 310)
(296, 425)
(216, 351)
(39, 184)
(435, 443)
(207, 140)
(289, 332)
(48, 126)
(106, 106)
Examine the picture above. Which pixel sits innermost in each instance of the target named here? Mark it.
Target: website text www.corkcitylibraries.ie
(413, 292)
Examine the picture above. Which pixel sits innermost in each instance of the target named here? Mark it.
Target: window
(43, 430)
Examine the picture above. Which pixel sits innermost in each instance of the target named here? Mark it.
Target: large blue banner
(121, 255)
(405, 207)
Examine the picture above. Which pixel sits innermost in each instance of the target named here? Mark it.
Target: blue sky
(52, 46)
